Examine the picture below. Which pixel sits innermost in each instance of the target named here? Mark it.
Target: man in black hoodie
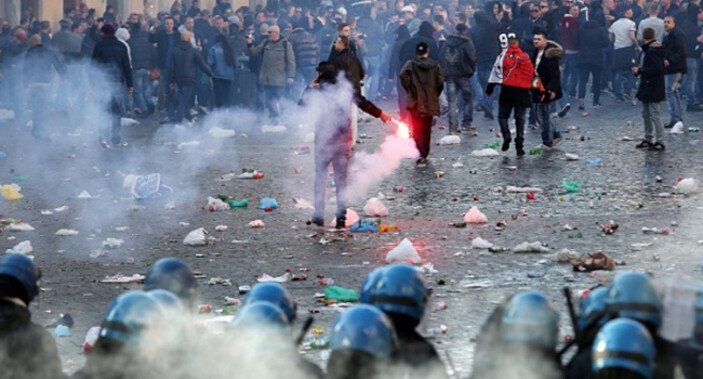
(651, 91)
(111, 56)
(485, 37)
(424, 34)
(457, 58)
(423, 81)
(183, 73)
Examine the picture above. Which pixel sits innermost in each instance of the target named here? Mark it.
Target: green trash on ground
(341, 294)
(535, 151)
(570, 187)
(494, 145)
(238, 203)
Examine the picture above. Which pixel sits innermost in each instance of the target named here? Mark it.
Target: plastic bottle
(535, 151)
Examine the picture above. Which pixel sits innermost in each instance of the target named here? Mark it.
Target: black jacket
(40, 64)
(28, 351)
(345, 61)
(185, 61)
(485, 37)
(675, 51)
(374, 35)
(110, 54)
(423, 81)
(691, 30)
(143, 52)
(652, 88)
(409, 49)
(161, 39)
(457, 57)
(548, 72)
(305, 48)
(403, 35)
(590, 41)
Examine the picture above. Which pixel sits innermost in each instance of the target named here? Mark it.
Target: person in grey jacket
(457, 57)
(277, 67)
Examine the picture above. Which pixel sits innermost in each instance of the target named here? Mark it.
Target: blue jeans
(690, 81)
(549, 128)
(623, 81)
(186, 99)
(115, 110)
(371, 85)
(673, 98)
(570, 76)
(483, 72)
(456, 86)
(272, 96)
(140, 79)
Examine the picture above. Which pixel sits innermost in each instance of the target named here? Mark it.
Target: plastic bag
(571, 157)
(197, 237)
(221, 133)
(375, 208)
(268, 202)
(352, 218)
(257, 224)
(10, 192)
(341, 294)
(273, 129)
(20, 227)
(126, 121)
(364, 226)
(214, 204)
(677, 128)
(485, 153)
(24, 247)
(66, 232)
(450, 140)
(475, 216)
(570, 187)
(404, 252)
(265, 278)
(531, 247)
(238, 204)
(513, 189)
(686, 186)
(480, 243)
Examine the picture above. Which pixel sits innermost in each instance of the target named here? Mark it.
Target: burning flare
(403, 130)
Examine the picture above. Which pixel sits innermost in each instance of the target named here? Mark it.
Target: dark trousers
(338, 155)
(39, 103)
(422, 132)
(114, 108)
(595, 72)
(186, 98)
(519, 114)
(456, 87)
(272, 97)
(402, 101)
(222, 89)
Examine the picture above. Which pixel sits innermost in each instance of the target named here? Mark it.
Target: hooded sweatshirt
(423, 81)
(424, 34)
(458, 57)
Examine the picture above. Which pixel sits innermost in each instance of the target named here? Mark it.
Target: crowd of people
(156, 332)
(190, 60)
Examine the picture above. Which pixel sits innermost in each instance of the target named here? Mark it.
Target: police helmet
(529, 317)
(366, 329)
(22, 268)
(593, 309)
(168, 301)
(368, 285)
(400, 289)
(273, 293)
(261, 315)
(632, 295)
(129, 316)
(172, 275)
(624, 344)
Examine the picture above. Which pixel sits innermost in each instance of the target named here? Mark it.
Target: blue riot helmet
(530, 318)
(129, 316)
(366, 329)
(623, 345)
(18, 268)
(368, 285)
(632, 295)
(400, 289)
(273, 293)
(593, 309)
(175, 276)
(261, 314)
(168, 301)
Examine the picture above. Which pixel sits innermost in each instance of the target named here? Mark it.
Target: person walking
(674, 69)
(40, 64)
(110, 55)
(457, 58)
(513, 71)
(423, 81)
(221, 60)
(591, 41)
(546, 61)
(651, 91)
(183, 73)
(277, 67)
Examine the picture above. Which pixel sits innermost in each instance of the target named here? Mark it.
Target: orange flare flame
(403, 130)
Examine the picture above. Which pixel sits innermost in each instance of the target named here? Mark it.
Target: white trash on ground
(480, 243)
(571, 157)
(214, 204)
(375, 208)
(112, 243)
(197, 237)
(266, 278)
(66, 232)
(273, 129)
(256, 224)
(686, 186)
(221, 133)
(301, 203)
(24, 247)
(20, 227)
(126, 121)
(404, 252)
(677, 128)
(485, 153)
(531, 247)
(475, 216)
(513, 189)
(450, 140)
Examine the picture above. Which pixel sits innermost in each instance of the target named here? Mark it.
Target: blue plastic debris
(62, 331)
(364, 226)
(268, 202)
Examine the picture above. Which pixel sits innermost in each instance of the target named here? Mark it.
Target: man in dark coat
(590, 42)
(40, 64)
(651, 91)
(546, 61)
(457, 58)
(143, 61)
(691, 28)
(423, 81)
(424, 34)
(183, 73)
(306, 52)
(165, 39)
(675, 68)
(485, 37)
(111, 57)
(26, 349)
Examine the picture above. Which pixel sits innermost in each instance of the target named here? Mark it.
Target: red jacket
(569, 28)
(518, 70)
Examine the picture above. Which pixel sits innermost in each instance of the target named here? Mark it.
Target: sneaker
(520, 151)
(105, 144)
(455, 132)
(506, 145)
(546, 147)
(467, 128)
(319, 221)
(554, 115)
(556, 140)
(581, 105)
(644, 145)
(341, 223)
(694, 108)
(658, 146)
(532, 126)
(627, 97)
(564, 110)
